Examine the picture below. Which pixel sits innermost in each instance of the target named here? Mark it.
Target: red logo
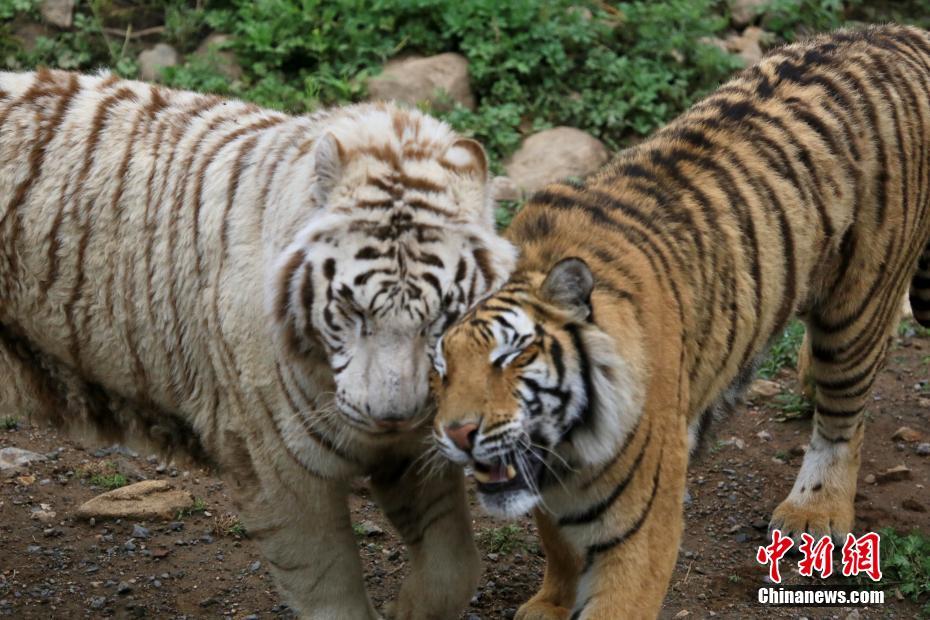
(817, 557)
(862, 555)
(773, 553)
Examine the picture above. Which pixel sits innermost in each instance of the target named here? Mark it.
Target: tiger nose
(462, 435)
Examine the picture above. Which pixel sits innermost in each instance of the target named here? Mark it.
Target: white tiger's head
(402, 245)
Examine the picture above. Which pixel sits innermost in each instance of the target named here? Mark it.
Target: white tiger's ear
(468, 157)
(569, 285)
(327, 165)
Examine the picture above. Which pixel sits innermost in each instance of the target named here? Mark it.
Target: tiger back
(644, 295)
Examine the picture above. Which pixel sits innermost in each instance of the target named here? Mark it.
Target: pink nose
(462, 435)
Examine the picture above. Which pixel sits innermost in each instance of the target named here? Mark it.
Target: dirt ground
(198, 567)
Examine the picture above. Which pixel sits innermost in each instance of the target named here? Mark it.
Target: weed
(793, 406)
(734, 578)
(784, 351)
(9, 423)
(228, 525)
(505, 539)
(906, 564)
(108, 482)
(783, 455)
(198, 507)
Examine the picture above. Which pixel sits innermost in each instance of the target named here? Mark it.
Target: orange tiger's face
(516, 382)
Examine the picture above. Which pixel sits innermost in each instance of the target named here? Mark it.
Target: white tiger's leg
(23, 393)
(302, 526)
(431, 515)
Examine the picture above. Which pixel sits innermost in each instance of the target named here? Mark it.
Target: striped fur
(255, 290)
(644, 295)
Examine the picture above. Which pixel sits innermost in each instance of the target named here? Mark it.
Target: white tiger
(258, 290)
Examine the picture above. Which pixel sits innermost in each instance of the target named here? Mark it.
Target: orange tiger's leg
(845, 358)
(805, 376)
(630, 557)
(563, 567)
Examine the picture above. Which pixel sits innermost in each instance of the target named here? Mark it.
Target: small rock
(748, 45)
(853, 615)
(555, 154)
(899, 472)
(140, 532)
(906, 433)
(221, 60)
(255, 566)
(123, 587)
(736, 442)
(161, 552)
(369, 528)
(129, 545)
(504, 189)
(14, 458)
(800, 450)
(436, 79)
(684, 613)
(151, 499)
(924, 402)
(58, 13)
(98, 602)
(762, 388)
(870, 479)
(153, 60)
(743, 12)
(764, 435)
(913, 505)
(922, 449)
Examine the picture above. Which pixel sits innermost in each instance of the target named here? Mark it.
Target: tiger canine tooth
(511, 472)
(481, 476)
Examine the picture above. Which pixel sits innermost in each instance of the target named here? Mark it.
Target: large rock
(555, 154)
(435, 79)
(58, 12)
(151, 499)
(222, 60)
(748, 45)
(743, 12)
(153, 60)
(503, 189)
(14, 458)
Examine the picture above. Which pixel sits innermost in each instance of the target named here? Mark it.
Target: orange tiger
(644, 294)
(262, 291)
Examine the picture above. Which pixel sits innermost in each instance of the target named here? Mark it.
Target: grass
(909, 328)
(906, 565)
(228, 525)
(793, 406)
(108, 482)
(198, 507)
(9, 423)
(103, 474)
(505, 539)
(784, 351)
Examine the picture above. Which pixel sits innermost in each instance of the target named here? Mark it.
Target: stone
(14, 458)
(151, 499)
(748, 45)
(743, 12)
(503, 189)
(154, 59)
(212, 49)
(913, 505)
(555, 154)
(853, 615)
(764, 435)
(922, 449)
(123, 587)
(369, 528)
(908, 434)
(58, 13)
(140, 532)
(899, 472)
(763, 388)
(434, 79)
(870, 479)
(255, 566)
(684, 613)
(98, 602)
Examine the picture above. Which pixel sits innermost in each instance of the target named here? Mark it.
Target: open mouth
(503, 476)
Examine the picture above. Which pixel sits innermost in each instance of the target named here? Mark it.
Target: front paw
(818, 517)
(540, 610)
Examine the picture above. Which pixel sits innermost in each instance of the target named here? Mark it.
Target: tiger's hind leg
(843, 358)
(920, 289)
(24, 393)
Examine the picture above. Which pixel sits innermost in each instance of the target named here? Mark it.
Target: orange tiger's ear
(569, 285)
(468, 157)
(327, 165)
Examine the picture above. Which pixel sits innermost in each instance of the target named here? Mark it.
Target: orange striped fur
(256, 290)
(644, 294)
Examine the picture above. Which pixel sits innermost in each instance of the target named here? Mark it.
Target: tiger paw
(540, 610)
(817, 516)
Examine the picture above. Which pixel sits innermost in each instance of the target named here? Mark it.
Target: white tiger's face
(405, 247)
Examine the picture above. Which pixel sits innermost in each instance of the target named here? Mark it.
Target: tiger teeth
(511, 472)
(482, 477)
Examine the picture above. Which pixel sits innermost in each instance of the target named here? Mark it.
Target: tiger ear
(467, 156)
(569, 285)
(327, 165)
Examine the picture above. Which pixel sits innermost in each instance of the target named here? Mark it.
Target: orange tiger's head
(529, 386)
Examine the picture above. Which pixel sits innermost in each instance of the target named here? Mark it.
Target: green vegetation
(9, 423)
(108, 481)
(906, 565)
(784, 352)
(793, 406)
(199, 507)
(505, 539)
